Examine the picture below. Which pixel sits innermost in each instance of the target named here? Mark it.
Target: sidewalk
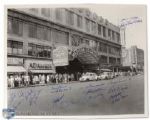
(43, 85)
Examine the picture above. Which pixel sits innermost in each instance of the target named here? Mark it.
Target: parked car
(112, 75)
(104, 75)
(88, 76)
(116, 74)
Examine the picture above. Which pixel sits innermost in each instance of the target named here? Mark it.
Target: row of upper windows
(44, 33)
(71, 18)
(37, 31)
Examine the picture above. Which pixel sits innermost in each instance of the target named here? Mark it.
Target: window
(60, 37)
(14, 47)
(103, 59)
(79, 21)
(34, 10)
(118, 37)
(58, 14)
(15, 27)
(45, 12)
(112, 60)
(85, 41)
(87, 24)
(99, 29)
(103, 47)
(76, 40)
(104, 31)
(42, 33)
(33, 30)
(39, 50)
(93, 28)
(109, 33)
(69, 17)
(113, 35)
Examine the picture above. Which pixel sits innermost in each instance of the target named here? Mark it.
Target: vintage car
(104, 75)
(89, 76)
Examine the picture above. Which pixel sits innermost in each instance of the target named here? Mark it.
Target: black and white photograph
(76, 60)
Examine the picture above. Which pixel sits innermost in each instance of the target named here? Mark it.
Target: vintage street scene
(86, 60)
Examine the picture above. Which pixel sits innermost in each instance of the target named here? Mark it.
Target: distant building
(133, 57)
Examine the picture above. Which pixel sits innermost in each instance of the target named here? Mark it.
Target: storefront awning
(42, 71)
(18, 69)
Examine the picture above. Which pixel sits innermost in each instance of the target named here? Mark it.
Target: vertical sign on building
(60, 56)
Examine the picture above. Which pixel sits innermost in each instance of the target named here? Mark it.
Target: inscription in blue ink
(58, 99)
(117, 93)
(129, 21)
(60, 88)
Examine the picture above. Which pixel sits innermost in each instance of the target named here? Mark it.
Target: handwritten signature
(117, 93)
(58, 99)
(60, 88)
(129, 21)
(30, 96)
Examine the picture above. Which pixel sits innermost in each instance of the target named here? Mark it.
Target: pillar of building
(25, 39)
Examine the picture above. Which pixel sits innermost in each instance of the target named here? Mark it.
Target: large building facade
(33, 34)
(133, 56)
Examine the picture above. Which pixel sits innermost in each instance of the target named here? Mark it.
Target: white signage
(60, 56)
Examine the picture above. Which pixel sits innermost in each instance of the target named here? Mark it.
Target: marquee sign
(81, 50)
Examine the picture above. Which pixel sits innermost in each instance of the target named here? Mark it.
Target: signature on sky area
(129, 21)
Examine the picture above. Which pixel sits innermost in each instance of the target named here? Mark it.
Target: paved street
(122, 95)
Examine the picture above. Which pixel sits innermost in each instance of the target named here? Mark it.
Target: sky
(135, 33)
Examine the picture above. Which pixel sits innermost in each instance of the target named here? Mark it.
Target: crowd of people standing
(20, 80)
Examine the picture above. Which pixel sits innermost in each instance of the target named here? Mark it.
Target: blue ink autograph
(30, 96)
(58, 99)
(117, 93)
(60, 88)
(129, 21)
